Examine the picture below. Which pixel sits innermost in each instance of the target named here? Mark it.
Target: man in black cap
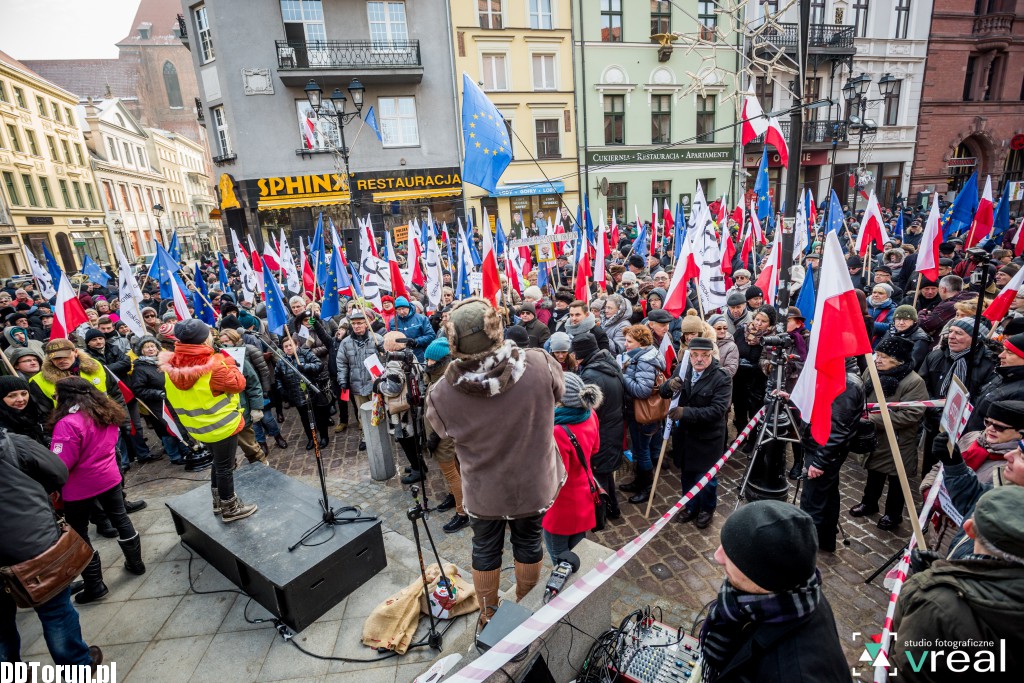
(636, 264)
(771, 621)
(854, 265)
(926, 299)
(737, 314)
(704, 393)
(945, 267)
(977, 600)
(883, 275)
(537, 331)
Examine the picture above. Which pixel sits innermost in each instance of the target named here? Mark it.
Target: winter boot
(234, 509)
(132, 549)
(643, 493)
(94, 586)
(486, 584)
(637, 483)
(131, 506)
(216, 502)
(527, 576)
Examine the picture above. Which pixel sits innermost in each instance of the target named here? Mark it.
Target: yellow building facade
(520, 52)
(47, 192)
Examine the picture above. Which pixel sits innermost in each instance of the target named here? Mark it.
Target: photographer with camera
(402, 387)
(356, 347)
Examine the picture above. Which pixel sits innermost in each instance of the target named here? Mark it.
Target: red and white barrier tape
(882, 672)
(938, 403)
(563, 603)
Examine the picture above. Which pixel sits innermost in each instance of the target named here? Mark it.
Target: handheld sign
(957, 401)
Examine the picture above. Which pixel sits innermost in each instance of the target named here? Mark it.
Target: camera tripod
(417, 515)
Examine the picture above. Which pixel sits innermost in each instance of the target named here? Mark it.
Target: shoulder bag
(602, 500)
(654, 408)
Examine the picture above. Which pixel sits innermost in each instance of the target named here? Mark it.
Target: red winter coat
(573, 509)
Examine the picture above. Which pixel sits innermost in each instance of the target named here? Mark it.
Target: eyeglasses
(149, 315)
(989, 422)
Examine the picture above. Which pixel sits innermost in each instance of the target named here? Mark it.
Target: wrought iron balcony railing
(815, 132)
(834, 36)
(347, 54)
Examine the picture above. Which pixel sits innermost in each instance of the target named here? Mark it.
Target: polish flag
(270, 257)
(654, 226)
(583, 270)
(526, 259)
(68, 314)
(928, 257)
(666, 219)
(872, 228)
(768, 279)
(837, 321)
(374, 366)
(371, 243)
(309, 133)
(984, 218)
(755, 225)
(998, 309)
(774, 137)
(171, 423)
(746, 243)
(397, 283)
(727, 250)
(415, 252)
(308, 278)
(754, 123)
(257, 265)
(668, 352)
(722, 215)
(1018, 239)
(514, 269)
(180, 300)
(615, 231)
(600, 254)
(686, 269)
(491, 283)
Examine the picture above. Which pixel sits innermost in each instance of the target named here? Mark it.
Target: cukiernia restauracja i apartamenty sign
(681, 155)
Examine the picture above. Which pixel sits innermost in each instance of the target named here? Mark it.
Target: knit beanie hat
(578, 394)
(192, 331)
(1008, 412)
(753, 291)
(9, 383)
(884, 286)
(965, 324)
(518, 335)
(437, 349)
(1015, 345)
(583, 345)
(560, 341)
(473, 327)
(141, 341)
(691, 323)
(905, 312)
(898, 348)
(774, 543)
(997, 517)
(716, 318)
(528, 307)
(92, 333)
(402, 302)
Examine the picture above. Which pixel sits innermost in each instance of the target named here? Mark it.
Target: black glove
(922, 559)
(941, 451)
(411, 344)
(433, 441)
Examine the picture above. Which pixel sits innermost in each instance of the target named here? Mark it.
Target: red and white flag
(768, 279)
(270, 257)
(171, 423)
(308, 278)
(600, 254)
(309, 133)
(615, 231)
(928, 257)
(490, 282)
(984, 218)
(838, 334)
(414, 251)
(1018, 239)
(755, 225)
(68, 312)
(583, 270)
(654, 226)
(668, 352)
(872, 228)
(373, 366)
(754, 123)
(180, 300)
(397, 282)
(667, 220)
(998, 309)
(257, 266)
(686, 269)
(727, 251)
(774, 137)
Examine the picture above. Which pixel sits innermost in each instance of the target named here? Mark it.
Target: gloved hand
(411, 344)
(676, 385)
(676, 413)
(433, 441)
(257, 415)
(940, 450)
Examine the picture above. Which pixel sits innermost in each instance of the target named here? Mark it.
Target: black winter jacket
(601, 369)
(938, 364)
(699, 436)
(1006, 384)
(313, 370)
(29, 473)
(846, 412)
(114, 359)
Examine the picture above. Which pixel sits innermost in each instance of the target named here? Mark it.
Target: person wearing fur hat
(542, 306)
(505, 484)
(577, 436)
(535, 329)
(560, 312)
(894, 361)
(202, 387)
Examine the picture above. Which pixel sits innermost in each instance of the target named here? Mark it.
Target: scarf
(489, 375)
(736, 611)
(890, 379)
(981, 450)
(585, 325)
(564, 415)
(752, 337)
(959, 369)
(150, 360)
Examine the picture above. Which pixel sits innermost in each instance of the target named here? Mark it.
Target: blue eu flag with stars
(488, 149)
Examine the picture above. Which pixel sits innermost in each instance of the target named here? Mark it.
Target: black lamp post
(158, 211)
(855, 91)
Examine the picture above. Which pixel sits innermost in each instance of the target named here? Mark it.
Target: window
(78, 154)
(614, 120)
(91, 196)
(138, 199)
(304, 24)
(892, 105)
(490, 13)
(540, 14)
(19, 97)
(125, 200)
(661, 119)
(661, 17)
(149, 197)
(3, 92)
(902, 18)
(707, 19)
(64, 193)
(112, 148)
(67, 150)
(764, 88)
(316, 133)
(12, 133)
(44, 185)
(398, 124)
(77, 187)
(41, 105)
(33, 148)
(617, 201)
(387, 23)
(994, 84)
(547, 139)
(70, 118)
(543, 72)
(140, 156)
(706, 118)
(203, 35)
(108, 195)
(972, 65)
(495, 76)
(1, 141)
(127, 153)
(817, 11)
(860, 18)
(12, 189)
(56, 113)
(30, 190)
(812, 93)
(661, 191)
(171, 86)
(611, 21)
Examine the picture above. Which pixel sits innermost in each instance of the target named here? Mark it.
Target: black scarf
(27, 421)
(959, 369)
(736, 612)
(891, 379)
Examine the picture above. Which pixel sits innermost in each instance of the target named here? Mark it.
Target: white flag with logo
(42, 276)
(129, 295)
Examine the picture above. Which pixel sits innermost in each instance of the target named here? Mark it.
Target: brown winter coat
(905, 422)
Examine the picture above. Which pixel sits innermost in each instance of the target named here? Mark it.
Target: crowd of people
(587, 384)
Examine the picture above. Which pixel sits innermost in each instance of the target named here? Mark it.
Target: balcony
(335, 62)
(993, 31)
(183, 30)
(200, 115)
(815, 132)
(224, 158)
(823, 39)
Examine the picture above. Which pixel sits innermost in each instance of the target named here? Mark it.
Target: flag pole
(917, 290)
(867, 265)
(664, 442)
(894, 447)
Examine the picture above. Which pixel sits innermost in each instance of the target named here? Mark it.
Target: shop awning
(291, 202)
(404, 195)
(215, 215)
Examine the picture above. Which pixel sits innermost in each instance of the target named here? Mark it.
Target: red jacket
(573, 509)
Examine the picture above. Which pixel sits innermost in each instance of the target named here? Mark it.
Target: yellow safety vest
(98, 380)
(207, 418)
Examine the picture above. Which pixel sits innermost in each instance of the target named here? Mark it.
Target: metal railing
(200, 115)
(815, 132)
(345, 54)
(993, 24)
(182, 27)
(224, 158)
(835, 36)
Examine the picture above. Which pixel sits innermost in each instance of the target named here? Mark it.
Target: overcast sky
(64, 29)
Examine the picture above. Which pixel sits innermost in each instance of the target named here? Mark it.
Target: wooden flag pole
(917, 290)
(664, 445)
(883, 407)
(868, 269)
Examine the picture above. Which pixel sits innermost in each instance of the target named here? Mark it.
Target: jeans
(174, 449)
(558, 543)
(138, 439)
(641, 437)
(61, 630)
(489, 540)
(707, 499)
(267, 426)
(221, 474)
(112, 501)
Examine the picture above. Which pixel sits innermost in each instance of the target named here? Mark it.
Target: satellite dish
(604, 186)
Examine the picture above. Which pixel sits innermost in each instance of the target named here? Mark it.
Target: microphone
(566, 563)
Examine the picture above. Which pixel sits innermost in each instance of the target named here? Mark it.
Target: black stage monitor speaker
(297, 587)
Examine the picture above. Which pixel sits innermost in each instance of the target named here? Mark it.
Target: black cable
(147, 481)
(191, 583)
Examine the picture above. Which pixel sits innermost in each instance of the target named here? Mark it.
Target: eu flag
(371, 120)
(317, 250)
(1002, 214)
(222, 275)
(277, 316)
(332, 303)
(200, 300)
(51, 265)
(964, 207)
(807, 299)
(488, 149)
(93, 270)
(174, 249)
(764, 199)
(834, 220)
(164, 267)
(898, 230)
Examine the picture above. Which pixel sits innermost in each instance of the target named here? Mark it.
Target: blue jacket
(416, 327)
(641, 372)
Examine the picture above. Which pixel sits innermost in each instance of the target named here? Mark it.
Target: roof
(161, 17)
(96, 78)
(33, 73)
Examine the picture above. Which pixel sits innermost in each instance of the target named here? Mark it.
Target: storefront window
(617, 202)
(91, 243)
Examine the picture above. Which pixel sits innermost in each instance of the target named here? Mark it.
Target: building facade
(656, 103)
(201, 230)
(520, 52)
(283, 164)
(868, 58)
(971, 111)
(49, 195)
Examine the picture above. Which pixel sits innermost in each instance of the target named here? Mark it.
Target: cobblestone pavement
(676, 570)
